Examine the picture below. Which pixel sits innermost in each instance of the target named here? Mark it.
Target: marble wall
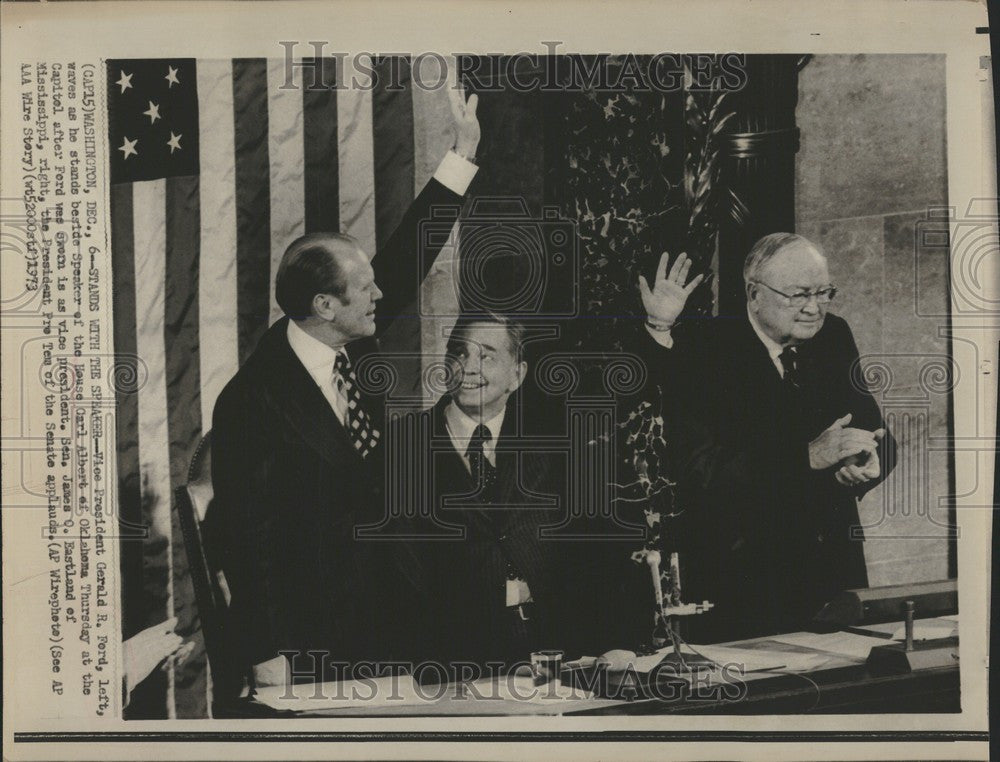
(869, 174)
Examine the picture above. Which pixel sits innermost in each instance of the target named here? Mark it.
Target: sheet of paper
(759, 660)
(923, 629)
(387, 694)
(521, 688)
(847, 644)
(931, 629)
(373, 693)
(748, 659)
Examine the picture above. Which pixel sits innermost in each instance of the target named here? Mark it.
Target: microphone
(653, 561)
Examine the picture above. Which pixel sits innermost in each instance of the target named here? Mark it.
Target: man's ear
(324, 306)
(519, 375)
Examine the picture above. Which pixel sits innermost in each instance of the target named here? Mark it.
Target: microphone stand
(666, 611)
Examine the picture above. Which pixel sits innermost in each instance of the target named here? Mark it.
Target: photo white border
(86, 30)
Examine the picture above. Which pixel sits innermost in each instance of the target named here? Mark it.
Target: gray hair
(765, 249)
(309, 267)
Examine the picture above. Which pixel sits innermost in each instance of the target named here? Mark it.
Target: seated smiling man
(498, 591)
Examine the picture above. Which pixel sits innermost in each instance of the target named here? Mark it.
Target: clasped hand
(853, 451)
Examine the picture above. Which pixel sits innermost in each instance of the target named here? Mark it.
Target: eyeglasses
(801, 299)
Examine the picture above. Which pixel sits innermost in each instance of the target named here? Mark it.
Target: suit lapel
(302, 404)
(516, 469)
(755, 355)
(449, 463)
(452, 476)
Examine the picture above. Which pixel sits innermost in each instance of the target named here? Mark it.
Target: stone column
(759, 167)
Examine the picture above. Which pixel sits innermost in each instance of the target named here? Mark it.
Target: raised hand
(664, 302)
(463, 113)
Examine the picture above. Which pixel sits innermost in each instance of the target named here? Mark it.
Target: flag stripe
(180, 321)
(183, 388)
(149, 226)
(393, 156)
(322, 179)
(433, 136)
(287, 156)
(392, 144)
(218, 335)
(128, 375)
(253, 217)
(355, 158)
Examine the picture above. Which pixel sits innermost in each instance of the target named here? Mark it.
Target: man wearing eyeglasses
(775, 438)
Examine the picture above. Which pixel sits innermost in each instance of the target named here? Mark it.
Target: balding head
(768, 247)
(788, 287)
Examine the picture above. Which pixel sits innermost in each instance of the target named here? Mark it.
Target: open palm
(665, 300)
(463, 113)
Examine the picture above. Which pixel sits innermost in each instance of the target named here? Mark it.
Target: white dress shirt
(318, 358)
(461, 428)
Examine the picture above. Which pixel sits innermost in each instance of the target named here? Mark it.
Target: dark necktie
(790, 362)
(483, 472)
(359, 424)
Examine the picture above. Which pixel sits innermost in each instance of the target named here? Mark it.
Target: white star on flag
(153, 112)
(174, 142)
(124, 81)
(128, 147)
(171, 77)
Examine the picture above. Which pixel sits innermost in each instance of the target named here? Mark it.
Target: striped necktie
(359, 425)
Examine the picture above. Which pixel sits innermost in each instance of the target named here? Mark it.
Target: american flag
(216, 166)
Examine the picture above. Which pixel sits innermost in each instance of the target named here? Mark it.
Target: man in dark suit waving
(297, 444)
(775, 437)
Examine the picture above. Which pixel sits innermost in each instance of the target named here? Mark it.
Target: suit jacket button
(820, 537)
(503, 538)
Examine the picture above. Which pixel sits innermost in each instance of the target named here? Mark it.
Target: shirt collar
(462, 426)
(774, 349)
(312, 353)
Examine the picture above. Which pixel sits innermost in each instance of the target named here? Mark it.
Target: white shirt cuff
(663, 338)
(455, 173)
(517, 592)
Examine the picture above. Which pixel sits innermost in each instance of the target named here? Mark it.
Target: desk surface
(786, 674)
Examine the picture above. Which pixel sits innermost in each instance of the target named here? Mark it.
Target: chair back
(210, 589)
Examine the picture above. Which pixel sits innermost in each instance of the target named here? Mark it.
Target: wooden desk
(843, 685)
